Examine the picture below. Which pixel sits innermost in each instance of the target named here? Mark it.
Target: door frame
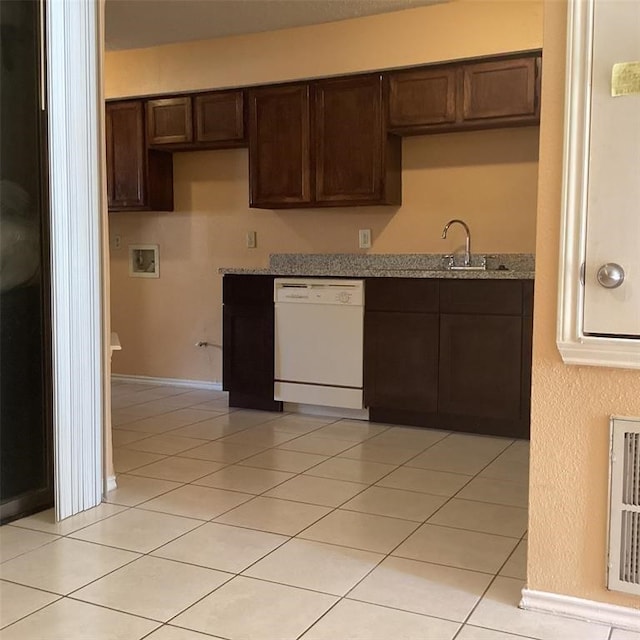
(575, 347)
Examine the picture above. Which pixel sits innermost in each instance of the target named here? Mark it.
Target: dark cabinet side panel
(480, 366)
(279, 146)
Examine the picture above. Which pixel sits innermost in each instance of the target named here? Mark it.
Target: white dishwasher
(319, 329)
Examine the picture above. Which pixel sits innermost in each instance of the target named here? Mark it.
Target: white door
(613, 218)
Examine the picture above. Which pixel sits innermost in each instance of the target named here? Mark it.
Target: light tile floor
(246, 525)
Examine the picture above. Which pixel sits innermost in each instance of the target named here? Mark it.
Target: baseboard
(588, 610)
(111, 483)
(173, 382)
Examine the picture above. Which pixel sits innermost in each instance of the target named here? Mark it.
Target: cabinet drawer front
(247, 290)
(219, 116)
(401, 294)
(499, 89)
(499, 297)
(426, 97)
(169, 121)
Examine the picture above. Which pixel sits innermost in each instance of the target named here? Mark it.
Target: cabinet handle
(610, 275)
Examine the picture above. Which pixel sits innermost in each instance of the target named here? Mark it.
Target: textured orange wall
(571, 405)
(488, 178)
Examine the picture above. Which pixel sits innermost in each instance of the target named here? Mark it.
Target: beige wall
(571, 405)
(488, 178)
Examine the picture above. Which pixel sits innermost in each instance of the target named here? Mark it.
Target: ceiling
(134, 24)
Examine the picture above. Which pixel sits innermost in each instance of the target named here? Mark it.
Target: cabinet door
(279, 146)
(219, 117)
(126, 155)
(480, 366)
(504, 90)
(401, 361)
(355, 162)
(169, 121)
(422, 100)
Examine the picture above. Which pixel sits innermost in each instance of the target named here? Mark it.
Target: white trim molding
(172, 382)
(74, 121)
(574, 346)
(581, 609)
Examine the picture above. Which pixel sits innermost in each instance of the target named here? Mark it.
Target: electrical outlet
(117, 242)
(364, 238)
(251, 240)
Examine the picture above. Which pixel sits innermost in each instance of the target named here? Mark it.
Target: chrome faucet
(467, 246)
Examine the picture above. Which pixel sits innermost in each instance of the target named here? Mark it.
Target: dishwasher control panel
(319, 291)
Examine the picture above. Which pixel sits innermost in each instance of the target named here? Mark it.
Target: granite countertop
(501, 266)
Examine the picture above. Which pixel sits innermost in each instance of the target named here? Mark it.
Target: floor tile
(167, 632)
(125, 460)
(15, 541)
(470, 632)
(457, 548)
(282, 460)
(352, 470)
(192, 501)
(360, 531)
(620, 634)
(414, 437)
(437, 483)
(351, 620)
(423, 588)
(516, 565)
(246, 479)
(323, 491)
(278, 612)
(137, 530)
(120, 437)
(482, 516)
(379, 453)
(505, 469)
(65, 565)
(153, 588)
(498, 610)
(497, 491)
(350, 430)
(395, 503)
(178, 469)
(69, 620)
(17, 601)
(300, 424)
(277, 516)
(221, 452)
(208, 430)
(250, 437)
(168, 445)
(314, 444)
(461, 453)
(220, 546)
(168, 421)
(315, 565)
(46, 520)
(133, 490)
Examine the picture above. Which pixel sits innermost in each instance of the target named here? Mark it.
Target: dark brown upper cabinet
(169, 121)
(212, 120)
(322, 143)
(137, 179)
(219, 118)
(485, 94)
(280, 146)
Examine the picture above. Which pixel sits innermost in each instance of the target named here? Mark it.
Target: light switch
(251, 240)
(364, 238)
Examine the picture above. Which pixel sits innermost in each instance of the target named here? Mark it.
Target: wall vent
(624, 506)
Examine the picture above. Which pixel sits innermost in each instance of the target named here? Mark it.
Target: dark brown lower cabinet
(247, 342)
(465, 365)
